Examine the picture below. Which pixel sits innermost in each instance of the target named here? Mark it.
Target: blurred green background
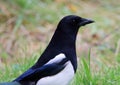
(26, 27)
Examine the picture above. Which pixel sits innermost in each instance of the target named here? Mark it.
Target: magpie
(58, 63)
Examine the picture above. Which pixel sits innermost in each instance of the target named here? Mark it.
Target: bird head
(74, 22)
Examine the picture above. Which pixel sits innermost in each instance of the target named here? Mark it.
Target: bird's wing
(52, 67)
(10, 83)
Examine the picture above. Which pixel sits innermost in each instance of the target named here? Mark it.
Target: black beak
(85, 21)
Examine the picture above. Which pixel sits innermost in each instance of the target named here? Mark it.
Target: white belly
(62, 78)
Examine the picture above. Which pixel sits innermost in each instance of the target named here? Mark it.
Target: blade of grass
(18, 23)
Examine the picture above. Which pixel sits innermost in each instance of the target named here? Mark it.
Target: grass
(26, 26)
(10, 72)
(106, 76)
(84, 76)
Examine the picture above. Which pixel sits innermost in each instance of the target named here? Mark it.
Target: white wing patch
(62, 78)
(58, 58)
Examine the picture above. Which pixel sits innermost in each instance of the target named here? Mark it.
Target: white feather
(62, 78)
(58, 58)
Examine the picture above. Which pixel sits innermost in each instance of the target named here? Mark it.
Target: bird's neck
(63, 39)
(64, 42)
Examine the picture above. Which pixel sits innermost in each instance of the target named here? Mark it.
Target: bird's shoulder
(57, 59)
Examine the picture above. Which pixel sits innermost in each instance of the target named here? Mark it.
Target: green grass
(106, 76)
(84, 76)
(12, 71)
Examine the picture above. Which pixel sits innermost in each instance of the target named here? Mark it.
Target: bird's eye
(74, 20)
